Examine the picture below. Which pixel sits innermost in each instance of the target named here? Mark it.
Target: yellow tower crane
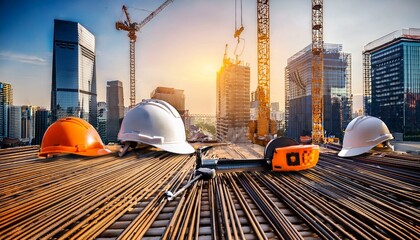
(132, 28)
(317, 72)
(262, 130)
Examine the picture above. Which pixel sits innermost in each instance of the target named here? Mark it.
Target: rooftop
(410, 33)
(328, 48)
(370, 196)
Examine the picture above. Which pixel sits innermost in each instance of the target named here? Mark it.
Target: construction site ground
(373, 196)
(406, 146)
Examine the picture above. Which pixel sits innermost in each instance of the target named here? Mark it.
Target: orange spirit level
(280, 154)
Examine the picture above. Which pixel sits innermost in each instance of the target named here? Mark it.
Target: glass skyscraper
(337, 98)
(73, 91)
(6, 100)
(392, 80)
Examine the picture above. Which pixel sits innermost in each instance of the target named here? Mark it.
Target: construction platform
(70, 197)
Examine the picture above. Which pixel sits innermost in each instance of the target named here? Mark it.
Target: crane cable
(236, 17)
(239, 30)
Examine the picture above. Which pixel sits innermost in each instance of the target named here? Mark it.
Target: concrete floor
(409, 147)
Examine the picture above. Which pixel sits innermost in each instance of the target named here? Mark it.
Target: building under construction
(232, 101)
(337, 98)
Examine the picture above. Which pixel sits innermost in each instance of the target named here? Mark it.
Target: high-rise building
(41, 124)
(391, 72)
(337, 99)
(175, 97)
(6, 100)
(28, 123)
(232, 101)
(254, 106)
(275, 106)
(102, 121)
(15, 119)
(73, 91)
(115, 104)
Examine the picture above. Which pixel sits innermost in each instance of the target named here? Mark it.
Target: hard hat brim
(351, 152)
(178, 148)
(95, 152)
(88, 153)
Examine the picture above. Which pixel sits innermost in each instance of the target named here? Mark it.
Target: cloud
(18, 57)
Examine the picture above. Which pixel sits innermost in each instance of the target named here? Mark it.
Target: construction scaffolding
(232, 101)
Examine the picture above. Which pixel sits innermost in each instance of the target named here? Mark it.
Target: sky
(183, 46)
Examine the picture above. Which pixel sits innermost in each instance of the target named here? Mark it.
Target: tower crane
(132, 27)
(317, 72)
(261, 129)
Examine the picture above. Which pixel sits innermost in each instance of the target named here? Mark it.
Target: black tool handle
(236, 165)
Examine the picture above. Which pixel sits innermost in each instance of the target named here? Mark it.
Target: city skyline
(183, 46)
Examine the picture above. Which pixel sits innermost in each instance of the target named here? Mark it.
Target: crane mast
(263, 90)
(132, 28)
(317, 72)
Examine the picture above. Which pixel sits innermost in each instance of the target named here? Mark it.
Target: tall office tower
(115, 103)
(15, 119)
(337, 97)
(73, 91)
(28, 123)
(232, 101)
(175, 97)
(391, 74)
(102, 121)
(6, 100)
(41, 124)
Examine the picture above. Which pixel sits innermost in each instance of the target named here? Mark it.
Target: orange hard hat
(72, 135)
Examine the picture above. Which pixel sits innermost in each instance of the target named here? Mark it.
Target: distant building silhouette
(73, 91)
(175, 97)
(391, 72)
(115, 105)
(254, 106)
(6, 100)
(28, 123)
(41, 124)
(15, 122)
(102, 121)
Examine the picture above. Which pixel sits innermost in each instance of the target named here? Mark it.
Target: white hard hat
(362, 134)
(157, 123)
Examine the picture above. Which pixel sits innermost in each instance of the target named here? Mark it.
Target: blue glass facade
(6, 100)
(41, 124)
(393, 84)
(337, 92)
(74, 73)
